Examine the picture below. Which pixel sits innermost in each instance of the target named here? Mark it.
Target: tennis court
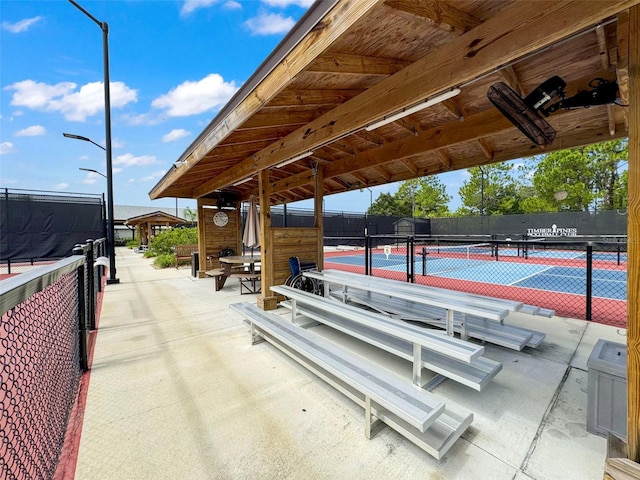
(555, 279)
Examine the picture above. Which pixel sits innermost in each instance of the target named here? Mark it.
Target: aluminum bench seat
(413, 412)
(449, 357)
(508, 336)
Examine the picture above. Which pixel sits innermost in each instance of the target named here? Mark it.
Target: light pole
(107, 125)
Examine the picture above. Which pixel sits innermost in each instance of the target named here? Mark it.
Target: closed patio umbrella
(251, 235)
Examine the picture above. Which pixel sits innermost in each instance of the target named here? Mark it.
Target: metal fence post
(410, 260)
(91, 288)
(589, 281)
(82, 317)
(367, 255)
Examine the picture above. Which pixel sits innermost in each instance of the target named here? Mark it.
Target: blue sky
(173, 65)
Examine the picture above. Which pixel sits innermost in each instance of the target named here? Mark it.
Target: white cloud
(6, 147)
(21, 26)
(287, 3)
(192, 5)
(61, 186)
(128, 160)
(91, 178)
(141, 119)
(192, 98)
(116, 170)
(75, 105)
(269, 24)
(32, 131)
(153, 176)
(232, 5)
(175, 134)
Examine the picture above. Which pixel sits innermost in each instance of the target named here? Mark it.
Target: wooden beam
(486, 148)
(622, 62)
(410, 166)
(343, 63)
(510, 76)
(453, 107)
(383, 173)
(633, 225)
(298, 97)
(443, 15)
(506, 37)
(445, 158)
(446, 163)
(360, 178)
(605, 61)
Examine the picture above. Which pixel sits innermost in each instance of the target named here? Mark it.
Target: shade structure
(251, 235)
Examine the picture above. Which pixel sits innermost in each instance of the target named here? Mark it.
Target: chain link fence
(45, 317)
(582, 278)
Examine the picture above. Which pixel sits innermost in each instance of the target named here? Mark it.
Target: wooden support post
(266, 300)
(633, 277)
(202, 241)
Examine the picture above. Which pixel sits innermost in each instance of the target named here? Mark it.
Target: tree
(490, 190)
(386, 204)
(189, 215)
(610, 188)
(420, 197)
(580, 179)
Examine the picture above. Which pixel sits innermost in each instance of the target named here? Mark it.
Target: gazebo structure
(368, 92)
(150, 223)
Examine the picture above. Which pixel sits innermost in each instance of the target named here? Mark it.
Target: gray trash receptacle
(607, 389)
(195, 263)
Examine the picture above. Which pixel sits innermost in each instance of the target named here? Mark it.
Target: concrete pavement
(177, 391)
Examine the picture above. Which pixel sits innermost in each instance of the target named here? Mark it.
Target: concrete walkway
(178, 392)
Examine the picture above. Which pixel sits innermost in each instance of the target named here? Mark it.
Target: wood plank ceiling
(363, 60)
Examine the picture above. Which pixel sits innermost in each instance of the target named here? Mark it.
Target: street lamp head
(92, 171)
(84, 139)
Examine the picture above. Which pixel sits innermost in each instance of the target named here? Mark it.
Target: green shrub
(165, 260)
(163, 243)
(132, 244)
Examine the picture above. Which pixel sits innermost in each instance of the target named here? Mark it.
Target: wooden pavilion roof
(159, 218)
(347, 64)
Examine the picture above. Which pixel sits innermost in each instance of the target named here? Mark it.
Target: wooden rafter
(443, 15)
(492, 44)
(357, 65)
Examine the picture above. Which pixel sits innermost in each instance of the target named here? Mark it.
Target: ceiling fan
(528, 113)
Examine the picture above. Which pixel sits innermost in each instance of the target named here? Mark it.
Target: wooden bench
(218, 275)
(183, 252)
(448, 357)
(385, 397)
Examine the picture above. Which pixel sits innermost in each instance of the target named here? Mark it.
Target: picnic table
(242, 267)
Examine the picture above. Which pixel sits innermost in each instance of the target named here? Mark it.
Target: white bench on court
(448, 357)
(414, 413)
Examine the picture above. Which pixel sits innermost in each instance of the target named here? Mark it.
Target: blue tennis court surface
(610, 284)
